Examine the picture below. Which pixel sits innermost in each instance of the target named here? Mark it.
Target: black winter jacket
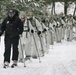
(12, 27)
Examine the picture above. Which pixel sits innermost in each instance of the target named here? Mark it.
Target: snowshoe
(6, 64)
(21, 60)
(27, 58)
(13, 65)
(34, 57)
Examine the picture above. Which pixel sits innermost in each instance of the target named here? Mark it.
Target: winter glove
(73, 24)
(44, 30)
(28, 30)
(0, 32)
(32, 31)
(20, 35)
(39, 32)
(62, 25)
(57, 26)
(53, 25)
(43, 21)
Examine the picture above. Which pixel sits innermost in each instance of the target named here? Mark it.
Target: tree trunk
(53, 8)
(65, 7)
(74, 10)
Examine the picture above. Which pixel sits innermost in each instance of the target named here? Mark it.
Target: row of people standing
(63, 26)
(36, 35)
(39, 34)
(33, 38)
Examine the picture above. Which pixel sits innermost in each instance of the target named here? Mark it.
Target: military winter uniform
(63, 27)
(35, 37)
(69, 30)
(51, 30)
(25, 42)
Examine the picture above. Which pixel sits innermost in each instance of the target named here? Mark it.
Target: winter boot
(34, 57)
(6, 64)
(14, 64)
(27, 58)
(21, 60)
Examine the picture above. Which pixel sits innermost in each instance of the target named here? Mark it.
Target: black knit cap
(11, 11)
(16, 12)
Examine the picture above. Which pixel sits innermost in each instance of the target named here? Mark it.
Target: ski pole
(51, 39)
(0, 39)
(22, 52)
(41, 44)
(50, 31)
(36, 48)
(46, 39)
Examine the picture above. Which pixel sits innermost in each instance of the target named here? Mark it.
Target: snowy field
(61, 60)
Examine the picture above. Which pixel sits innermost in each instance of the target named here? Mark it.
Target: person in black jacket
(13, 27)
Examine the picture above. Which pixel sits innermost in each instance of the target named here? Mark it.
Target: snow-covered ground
(61, 60)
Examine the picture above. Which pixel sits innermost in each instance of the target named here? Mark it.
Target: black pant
(11, 42)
